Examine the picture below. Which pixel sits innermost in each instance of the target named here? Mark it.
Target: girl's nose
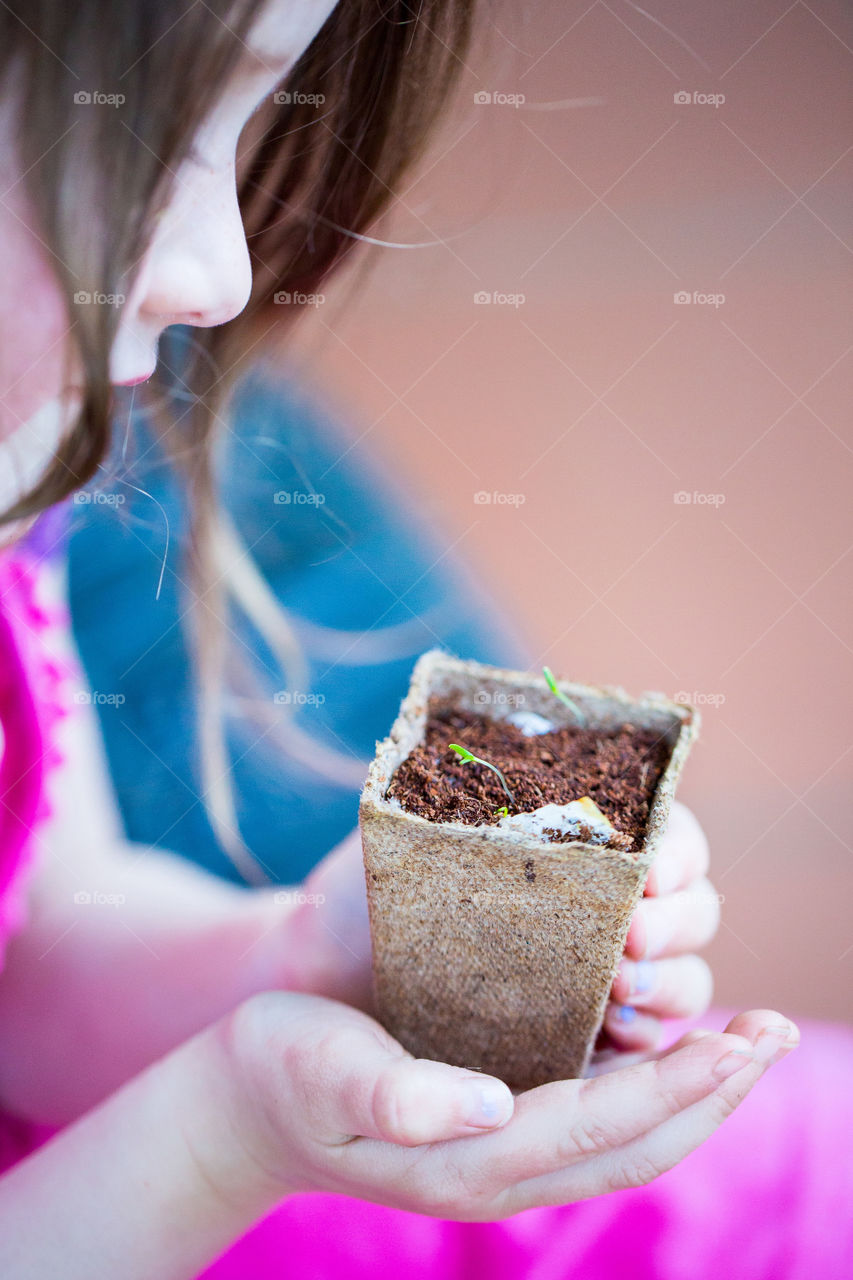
(198, 270)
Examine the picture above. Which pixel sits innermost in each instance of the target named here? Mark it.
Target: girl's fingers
(683, 855)
(680, 987)
(610, 1059)
(631, 1028)
(380, 1091)
(674, 924)
(569, 1123)
(663, 1145)
(754, 1022)
(571, 1139)
(337, 1075)
(413, 1101)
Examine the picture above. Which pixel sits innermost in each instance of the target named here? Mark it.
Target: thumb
(385, 1093)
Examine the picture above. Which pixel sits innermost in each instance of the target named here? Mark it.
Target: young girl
(172, 1071)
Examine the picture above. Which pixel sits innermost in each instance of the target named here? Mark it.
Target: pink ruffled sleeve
(32, 681)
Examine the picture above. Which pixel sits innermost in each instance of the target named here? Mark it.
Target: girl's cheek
(34, 325)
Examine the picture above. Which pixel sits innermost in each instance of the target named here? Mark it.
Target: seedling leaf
(467, 757)
(558, 693)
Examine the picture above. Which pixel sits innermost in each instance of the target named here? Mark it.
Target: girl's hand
(293, 1093)
(658, 976)
(326, 1100)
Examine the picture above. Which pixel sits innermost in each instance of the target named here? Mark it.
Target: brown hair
(317, 178)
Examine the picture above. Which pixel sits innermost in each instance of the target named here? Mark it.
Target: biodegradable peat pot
(496, 949)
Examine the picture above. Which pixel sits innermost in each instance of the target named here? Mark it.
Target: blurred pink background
(602, 401)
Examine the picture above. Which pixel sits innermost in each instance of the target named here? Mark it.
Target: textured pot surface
(493, 949)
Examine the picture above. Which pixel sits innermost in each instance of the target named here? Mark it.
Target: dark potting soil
(619, 769)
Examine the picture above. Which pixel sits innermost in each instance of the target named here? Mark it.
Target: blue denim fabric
(362, 559)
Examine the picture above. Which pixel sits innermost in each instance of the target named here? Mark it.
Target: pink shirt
(30, 681)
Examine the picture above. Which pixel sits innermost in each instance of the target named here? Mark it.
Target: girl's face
(196, 271)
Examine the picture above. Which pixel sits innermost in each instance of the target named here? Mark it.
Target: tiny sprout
(467, 757)
(503, 812)
(558, 693)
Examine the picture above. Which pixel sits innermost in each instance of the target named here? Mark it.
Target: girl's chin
(28, 449)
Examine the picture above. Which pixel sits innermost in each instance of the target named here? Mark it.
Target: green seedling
(558, 693)
(467, 757)
(503, 812)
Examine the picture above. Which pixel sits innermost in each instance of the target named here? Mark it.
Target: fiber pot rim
(407, 732)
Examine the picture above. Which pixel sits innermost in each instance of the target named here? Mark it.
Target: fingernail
(783, 1031)
(771, 1040)
(488, 1104)
(734, 1061)
(626, 1012)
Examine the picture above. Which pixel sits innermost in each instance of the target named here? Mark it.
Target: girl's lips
(118, 382)
(132, 382)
